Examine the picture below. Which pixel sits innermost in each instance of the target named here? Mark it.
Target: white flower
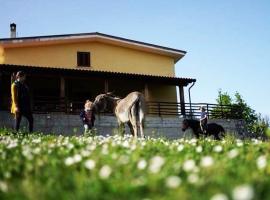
(219, 196)
(72, 160)
(85, 153)
(256, 141)
(193, 140)
(70, 146)
(199, 149)
(233, 153)
(133, 147)
(217, 148)
(189, 165)
(173, 182)
(124, 159)
(261, 162)
(69, 161)
(90, 164)
(36, 150)
(207, 161)
(142, 164)
(243, 192)
(239, 143)
(155, 164)
(105, 150)
(193, 178)
(180, 147)
(105, 172)
(13, 144)
(77, 158)
(3, 186)
(38, 140)
(27, 152)
(125, 144)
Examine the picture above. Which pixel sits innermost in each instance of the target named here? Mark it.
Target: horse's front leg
(135, 127)
(141, 130)
(131, 128)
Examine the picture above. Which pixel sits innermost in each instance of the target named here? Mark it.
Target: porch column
(106, 86)
(62, 101)
(62, 87)
(146, 92)
(182, 99)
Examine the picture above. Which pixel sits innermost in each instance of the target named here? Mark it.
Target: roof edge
(92, 34)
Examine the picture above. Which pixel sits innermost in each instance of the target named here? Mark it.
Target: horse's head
(105, 102)
(193, 124)
(185, 125)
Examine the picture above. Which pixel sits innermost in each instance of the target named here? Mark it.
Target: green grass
(37, 166)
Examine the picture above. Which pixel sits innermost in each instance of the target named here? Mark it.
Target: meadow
(38, 166)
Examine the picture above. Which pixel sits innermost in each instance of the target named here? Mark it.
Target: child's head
(88, 105)
(202, 108)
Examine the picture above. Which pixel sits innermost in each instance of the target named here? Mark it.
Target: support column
(182, 100)
(106, 86)
(63, 103)
(146, 95)
(146, 92)
(62, 87)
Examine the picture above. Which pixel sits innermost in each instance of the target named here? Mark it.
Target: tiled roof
(169, 79)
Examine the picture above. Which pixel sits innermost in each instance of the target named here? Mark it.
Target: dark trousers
(28, 116)
(203, 124)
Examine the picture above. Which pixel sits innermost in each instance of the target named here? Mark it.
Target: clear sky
(228, 42)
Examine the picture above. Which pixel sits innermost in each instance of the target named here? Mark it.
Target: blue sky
(228, 42)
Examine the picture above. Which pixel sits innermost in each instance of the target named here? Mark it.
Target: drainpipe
(190, 98)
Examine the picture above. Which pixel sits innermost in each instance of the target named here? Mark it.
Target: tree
(223, 98)
(255, 123)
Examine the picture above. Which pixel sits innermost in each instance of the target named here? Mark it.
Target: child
(203, 120)
(87, 116)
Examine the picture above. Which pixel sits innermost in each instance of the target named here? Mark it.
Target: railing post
(207, 110)
(222, 113)
(106, 86)
(159, 113)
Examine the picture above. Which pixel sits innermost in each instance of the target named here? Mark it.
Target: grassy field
(40, 167)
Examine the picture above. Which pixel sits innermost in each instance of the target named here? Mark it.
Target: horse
(130, 110)
(212, 128)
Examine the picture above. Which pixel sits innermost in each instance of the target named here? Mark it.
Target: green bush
(256, 124)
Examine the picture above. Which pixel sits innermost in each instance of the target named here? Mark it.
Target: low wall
(169, 127)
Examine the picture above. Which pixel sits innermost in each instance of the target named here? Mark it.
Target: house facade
(65, 70)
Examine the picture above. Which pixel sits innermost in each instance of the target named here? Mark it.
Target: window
(83, 59)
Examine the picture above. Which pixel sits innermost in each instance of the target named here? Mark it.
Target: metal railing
(193, 110)
(51, 104)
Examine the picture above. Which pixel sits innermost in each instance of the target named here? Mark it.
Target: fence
(193, 110)
(51, 104)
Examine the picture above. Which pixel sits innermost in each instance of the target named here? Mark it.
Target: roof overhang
(82, 72)
(176, 54)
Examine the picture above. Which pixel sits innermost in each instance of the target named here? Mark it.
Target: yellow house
(67, 69)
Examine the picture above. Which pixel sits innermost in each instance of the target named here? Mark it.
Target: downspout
(190, 98)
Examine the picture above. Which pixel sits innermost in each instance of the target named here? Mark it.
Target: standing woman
(21, 101)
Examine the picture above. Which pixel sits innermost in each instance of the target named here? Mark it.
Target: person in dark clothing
(203, 120)
(87, 116)
(21, 101)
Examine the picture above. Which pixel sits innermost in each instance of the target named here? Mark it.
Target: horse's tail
(138, 109)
